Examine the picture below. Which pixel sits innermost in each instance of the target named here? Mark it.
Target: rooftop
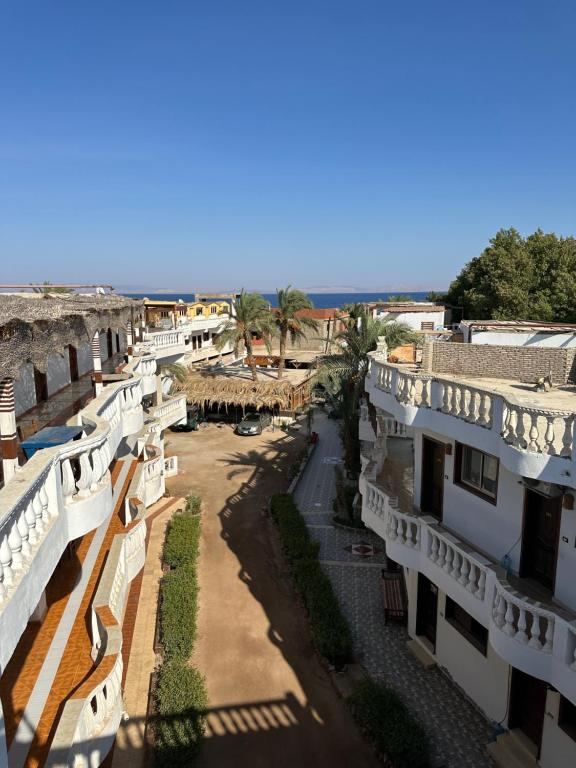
(406, 306)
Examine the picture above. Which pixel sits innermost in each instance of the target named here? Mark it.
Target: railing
(170, 411)
(71, 480)
(164, 339)
(540, 640)
(531, 430)
(170, 466)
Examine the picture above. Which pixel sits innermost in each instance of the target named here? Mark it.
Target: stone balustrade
(531, 441)
(146, 366)
(538, 639)
(170, 466)
(60, 494)
(171, 411)
(165, 339)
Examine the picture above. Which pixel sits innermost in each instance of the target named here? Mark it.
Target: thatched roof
(32, 328)
(235, 387)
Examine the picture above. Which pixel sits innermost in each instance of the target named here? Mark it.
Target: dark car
(189, 426)
(253, 424)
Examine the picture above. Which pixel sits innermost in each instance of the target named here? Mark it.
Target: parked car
(253, 424)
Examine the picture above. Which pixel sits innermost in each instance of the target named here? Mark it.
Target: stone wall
(491, 361)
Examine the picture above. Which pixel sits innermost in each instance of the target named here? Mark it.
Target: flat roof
(406, 306)
(521, 325)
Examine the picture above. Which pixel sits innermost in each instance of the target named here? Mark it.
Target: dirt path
(272, 703)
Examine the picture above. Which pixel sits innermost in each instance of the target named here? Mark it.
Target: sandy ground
(272, 702)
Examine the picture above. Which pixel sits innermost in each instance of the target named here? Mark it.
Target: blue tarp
(49, 437)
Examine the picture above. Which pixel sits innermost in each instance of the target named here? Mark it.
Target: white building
(72, 519)
(418, 315)
(518, 333)
(477, 506)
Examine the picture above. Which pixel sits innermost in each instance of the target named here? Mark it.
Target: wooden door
(540, 538)
(427, 610)
(527, 705)
(432, 495)
(73, 359)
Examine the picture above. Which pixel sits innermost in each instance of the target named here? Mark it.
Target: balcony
(531, 433)
(145, 366)
(171, 411)
(535, 636)
(58, 496)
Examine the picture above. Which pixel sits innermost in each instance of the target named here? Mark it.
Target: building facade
(72, 519)
(469, 477)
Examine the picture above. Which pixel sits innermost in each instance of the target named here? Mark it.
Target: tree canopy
(519, 278)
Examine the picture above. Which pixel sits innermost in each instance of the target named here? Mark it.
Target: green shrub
(182, 540)
(181, 703)
(329, 629)
(178, 607)
(193, 504)
(391, 727)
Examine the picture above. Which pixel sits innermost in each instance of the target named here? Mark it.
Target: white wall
(558, 749)
(496, 529)
(57, 372)
(493, 529)
(24, 389)
(84, 358)
(413, 319)
(527, 339)
(483, 678)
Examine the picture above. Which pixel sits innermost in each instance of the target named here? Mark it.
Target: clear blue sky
(216, 144)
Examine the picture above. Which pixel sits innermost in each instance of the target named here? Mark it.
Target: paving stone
(457, 731)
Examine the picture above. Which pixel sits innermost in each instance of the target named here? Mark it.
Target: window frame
(481, 645)
(459, 481)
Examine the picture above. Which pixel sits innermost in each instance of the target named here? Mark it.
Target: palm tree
(252, 315)
(289, 321)
(344, 372)
(176, 371)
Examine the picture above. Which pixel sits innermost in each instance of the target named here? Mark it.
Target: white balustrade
(403, 529)
(527, 622)
(170, 411)
(465, 402)
(532, 430)
(457, 563)
(413, 389)
(171, 466)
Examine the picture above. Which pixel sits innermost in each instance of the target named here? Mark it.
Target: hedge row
(395, 733)
(330, 631)
(182, 706)
(181, 697)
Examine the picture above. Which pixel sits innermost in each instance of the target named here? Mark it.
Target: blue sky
(367, 143)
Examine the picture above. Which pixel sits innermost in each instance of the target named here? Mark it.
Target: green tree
(251, 316)
(518, 278)
(289, 321)
(399, 297)
(343, 374)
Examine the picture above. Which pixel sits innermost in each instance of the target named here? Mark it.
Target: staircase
(513, 749)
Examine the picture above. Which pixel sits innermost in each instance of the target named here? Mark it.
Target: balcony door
(540, 538)
(427, 610)
(527, 705)
(73, 359)
(432, 495)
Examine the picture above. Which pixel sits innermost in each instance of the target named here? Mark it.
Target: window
(426, 325)
(567, 717)
(212, 310)
(198, 311)
(476, 471)
(467, 625)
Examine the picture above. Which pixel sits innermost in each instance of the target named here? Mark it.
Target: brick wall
(487, 360)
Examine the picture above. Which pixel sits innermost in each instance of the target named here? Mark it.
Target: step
(511, 750)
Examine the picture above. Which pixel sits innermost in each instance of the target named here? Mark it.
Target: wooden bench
(394, 597)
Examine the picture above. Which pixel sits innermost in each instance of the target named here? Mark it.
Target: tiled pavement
(457, 731)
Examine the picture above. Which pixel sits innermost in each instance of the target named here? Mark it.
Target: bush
(193, 504)
(178, 607)
(181, 703)
(329, 629)
(391, 727)
(182, 540)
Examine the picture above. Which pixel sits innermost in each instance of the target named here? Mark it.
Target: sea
(320, 300)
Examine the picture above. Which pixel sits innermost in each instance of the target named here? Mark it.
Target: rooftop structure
(420, 316)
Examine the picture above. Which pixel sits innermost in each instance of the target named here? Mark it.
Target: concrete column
(129, 340)
(96, 360)
(8, 436)
(159, 392)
